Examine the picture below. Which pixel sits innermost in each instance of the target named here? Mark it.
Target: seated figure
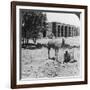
(66, 57)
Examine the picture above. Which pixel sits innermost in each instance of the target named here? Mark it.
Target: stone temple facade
(62, 30)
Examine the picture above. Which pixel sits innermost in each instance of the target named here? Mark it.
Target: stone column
(67, 30)
(56, 30)
(63, 30)
(71, 31)
(60, 30)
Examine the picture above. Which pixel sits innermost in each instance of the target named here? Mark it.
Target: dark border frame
(13, 44)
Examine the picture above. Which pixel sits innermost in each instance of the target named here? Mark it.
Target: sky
(66, 18)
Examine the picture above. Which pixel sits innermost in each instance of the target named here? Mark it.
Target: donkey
(55, 45)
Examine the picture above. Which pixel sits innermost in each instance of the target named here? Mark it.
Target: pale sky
(63, 18)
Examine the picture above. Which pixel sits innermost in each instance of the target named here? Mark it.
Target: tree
(32, 23)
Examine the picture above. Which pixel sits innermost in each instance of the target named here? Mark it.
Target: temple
(62, 30)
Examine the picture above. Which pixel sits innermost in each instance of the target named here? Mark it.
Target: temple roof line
(59, 23)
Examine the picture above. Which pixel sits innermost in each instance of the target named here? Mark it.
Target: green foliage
(32, 23)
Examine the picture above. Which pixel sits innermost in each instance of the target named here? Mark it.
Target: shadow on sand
(32, 46)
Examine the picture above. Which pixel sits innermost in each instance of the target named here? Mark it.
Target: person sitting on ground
(66, 57)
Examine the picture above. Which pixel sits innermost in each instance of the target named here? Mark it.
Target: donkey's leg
(56, 54)
(48, 53)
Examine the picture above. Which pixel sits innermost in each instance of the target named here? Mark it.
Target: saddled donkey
(55, 45)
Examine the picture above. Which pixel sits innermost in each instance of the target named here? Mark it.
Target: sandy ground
(35, 63)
